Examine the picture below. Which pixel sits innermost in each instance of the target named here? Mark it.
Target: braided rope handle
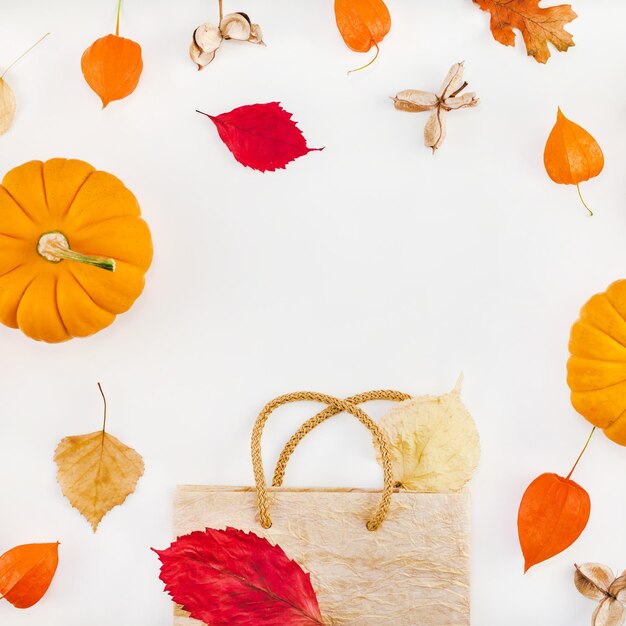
(322, 416)
(335, 406)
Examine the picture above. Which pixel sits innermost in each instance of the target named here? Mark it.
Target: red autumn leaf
(261, 136)
(552, 514)
(232, 578)
(26, 573)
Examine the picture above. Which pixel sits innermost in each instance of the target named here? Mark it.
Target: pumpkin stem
(581, 199)
(593, 430)
(219, 3)
(23, 55)
(117, 20)
(358, 69)
(54, 247)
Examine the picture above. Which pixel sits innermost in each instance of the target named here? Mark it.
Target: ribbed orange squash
(596, 370)
(73, 249)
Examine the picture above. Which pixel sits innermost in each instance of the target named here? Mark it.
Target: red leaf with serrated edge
(261, 136)
(552, 514)
(233, 578)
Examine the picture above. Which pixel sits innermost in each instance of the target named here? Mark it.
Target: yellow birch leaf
(97, 472)
(7, 106)
(434, 443)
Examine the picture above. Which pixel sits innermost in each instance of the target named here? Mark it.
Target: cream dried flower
(448, 98)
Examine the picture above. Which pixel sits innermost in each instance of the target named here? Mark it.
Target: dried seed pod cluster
(597, 582)
(448, 98)
(207, 38)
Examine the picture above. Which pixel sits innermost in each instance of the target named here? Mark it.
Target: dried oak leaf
(26, 573)
(227, 577)
(538, 25)
(434, 444)
(97, 472)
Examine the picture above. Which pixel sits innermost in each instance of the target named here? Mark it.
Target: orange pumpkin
(73, 249)
(596, 370)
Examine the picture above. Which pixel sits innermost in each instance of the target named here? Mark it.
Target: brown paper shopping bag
(376, 558)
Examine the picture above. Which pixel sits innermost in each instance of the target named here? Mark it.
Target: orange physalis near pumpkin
(73, 249)
(572, 155)
(363, 24)
(596, 370)
(26, 573)
(552, 514)
(112, 65)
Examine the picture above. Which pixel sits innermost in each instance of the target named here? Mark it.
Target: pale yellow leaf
(7, 106)
(97, 472)
(434, 443)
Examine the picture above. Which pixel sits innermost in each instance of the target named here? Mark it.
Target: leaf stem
(581, 199)
(117, 20)
(104, 399)
(23, 55)
(593, 430)
(358, 69)
(220, 2)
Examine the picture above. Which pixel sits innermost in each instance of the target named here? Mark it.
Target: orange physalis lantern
(572, 155)
(112, 65)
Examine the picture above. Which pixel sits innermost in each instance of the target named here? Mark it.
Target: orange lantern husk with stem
(572, 155)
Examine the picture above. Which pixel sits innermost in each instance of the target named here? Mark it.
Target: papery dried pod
(618, 587)
(256, 35)
(610, 612)
(593, 580)
(236, 26)
(435, 129)
(415, 101)
(207, 38)
(453, 82)
(200, 58)
(463, 101)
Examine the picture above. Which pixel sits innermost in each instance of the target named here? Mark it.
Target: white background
(371, 264)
